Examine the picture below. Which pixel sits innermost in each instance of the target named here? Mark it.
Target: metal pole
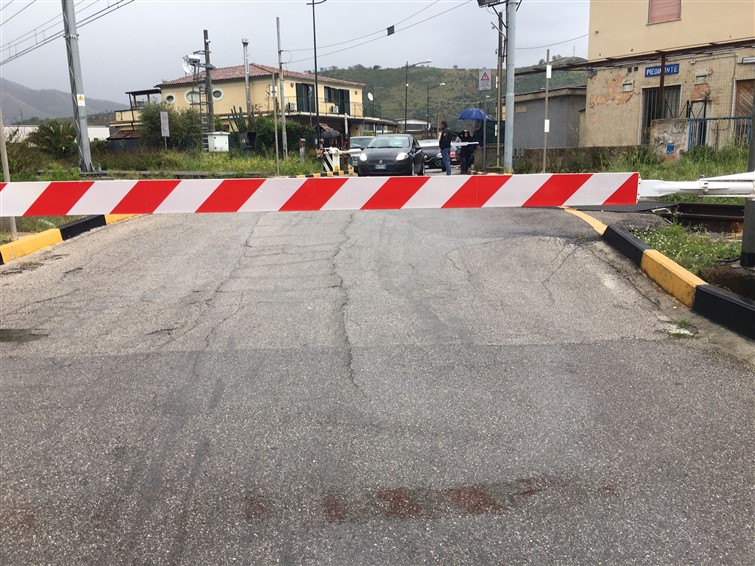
(317, 85)
(282, 91)
(427, 110)
(275, 124)
(751, 160)
(499, 103)
(406, 95)
(508, 143)
(208, 82)
(77, 86)
(10, 222)
(546, 123)
(748, 236)
(245, 43)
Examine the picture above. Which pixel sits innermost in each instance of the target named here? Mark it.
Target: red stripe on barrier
(626, 193)
(2, 186)
(230, 195)
(476, 192)
(395, 193)
(558, 189)
(58, 198)
(313, 194)
(145, 197)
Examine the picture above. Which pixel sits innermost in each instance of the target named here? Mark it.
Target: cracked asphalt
(405, 387)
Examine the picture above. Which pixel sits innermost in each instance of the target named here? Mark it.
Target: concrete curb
(715, 304)
(53, 236)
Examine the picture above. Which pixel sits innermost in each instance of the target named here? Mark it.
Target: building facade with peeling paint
(699, 55)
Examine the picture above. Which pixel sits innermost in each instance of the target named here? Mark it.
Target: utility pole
(77, 85)
(317, 85)
(245, 43)
(499, 102)
(9, 223)
(208, 83)
(282, 95)
(546, 122)
(747, 258)
(508, 144)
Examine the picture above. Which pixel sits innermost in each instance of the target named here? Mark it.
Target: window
(170, 99)
(217, 94)
(193, 97)
(305, 101)
(664, 11)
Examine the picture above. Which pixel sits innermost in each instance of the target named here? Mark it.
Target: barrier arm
(738, 185)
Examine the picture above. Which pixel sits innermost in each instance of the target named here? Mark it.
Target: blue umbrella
(474, 114)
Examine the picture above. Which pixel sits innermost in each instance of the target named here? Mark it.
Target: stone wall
(669, 138)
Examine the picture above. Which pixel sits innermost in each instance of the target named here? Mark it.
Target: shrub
(55, 138)
(184, 125)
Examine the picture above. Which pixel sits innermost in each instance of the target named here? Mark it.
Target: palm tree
(55, 138)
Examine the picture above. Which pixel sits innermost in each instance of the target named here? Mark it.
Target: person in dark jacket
(466, 152)
(444, 142)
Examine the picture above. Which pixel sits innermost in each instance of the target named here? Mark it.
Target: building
(341, 106)
(686, 61)
(565, 107)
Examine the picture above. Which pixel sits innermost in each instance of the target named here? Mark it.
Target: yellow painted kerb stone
(671, 276)
(30, 244)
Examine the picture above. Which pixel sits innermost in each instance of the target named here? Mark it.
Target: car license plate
(379, 166)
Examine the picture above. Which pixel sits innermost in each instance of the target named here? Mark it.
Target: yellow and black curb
(715, 304)
(318, 175)
(30, 244)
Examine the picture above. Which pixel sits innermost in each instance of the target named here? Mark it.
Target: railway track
(713, 217)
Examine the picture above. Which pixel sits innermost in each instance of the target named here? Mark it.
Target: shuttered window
(664, 11)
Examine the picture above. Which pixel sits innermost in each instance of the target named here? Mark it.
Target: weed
(692, 249)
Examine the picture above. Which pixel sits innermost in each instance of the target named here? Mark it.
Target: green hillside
(446, 102)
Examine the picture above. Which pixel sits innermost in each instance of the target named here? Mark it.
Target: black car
(392, 154)
(433, 158)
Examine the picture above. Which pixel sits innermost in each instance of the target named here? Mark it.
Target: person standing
(444, 142)
(466, 151)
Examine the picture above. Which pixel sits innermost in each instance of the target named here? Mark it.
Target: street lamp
(427, 110)
(317, 86)
(406, 92)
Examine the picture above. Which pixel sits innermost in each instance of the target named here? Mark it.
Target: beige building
(700, 55)
(340, 102)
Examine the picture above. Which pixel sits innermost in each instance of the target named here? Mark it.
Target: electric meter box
(217, 141)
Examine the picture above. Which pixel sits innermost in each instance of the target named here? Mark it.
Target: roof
(257, 70)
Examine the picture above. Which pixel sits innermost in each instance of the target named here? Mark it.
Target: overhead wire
(29, 5)
(383, 31)
(87, 20)
(39, 29)
(380, 31)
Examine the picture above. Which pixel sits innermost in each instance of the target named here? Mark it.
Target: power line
(87, 20)
(557, 43)
(6, 5)
(28, 36)
(383, 31)
(29, 5)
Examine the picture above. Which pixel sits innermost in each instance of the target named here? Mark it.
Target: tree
(55, 138)
(185, 130)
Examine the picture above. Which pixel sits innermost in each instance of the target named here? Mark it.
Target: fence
(719, 132)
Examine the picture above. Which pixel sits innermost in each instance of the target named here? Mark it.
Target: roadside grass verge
(692, 249)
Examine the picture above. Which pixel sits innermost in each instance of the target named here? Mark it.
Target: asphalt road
(408, 387)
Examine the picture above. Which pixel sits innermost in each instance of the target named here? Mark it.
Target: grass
(692, 249)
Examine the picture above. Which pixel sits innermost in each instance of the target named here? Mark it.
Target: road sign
(655, 71)
(164, 127)
(485, 79)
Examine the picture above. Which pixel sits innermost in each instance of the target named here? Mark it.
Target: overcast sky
(143, 42)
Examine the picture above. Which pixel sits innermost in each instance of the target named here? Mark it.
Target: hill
(459, 91)
(22, 105)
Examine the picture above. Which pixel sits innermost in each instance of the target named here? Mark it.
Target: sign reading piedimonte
(671, 69)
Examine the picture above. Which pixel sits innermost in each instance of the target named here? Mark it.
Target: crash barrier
(62, 198)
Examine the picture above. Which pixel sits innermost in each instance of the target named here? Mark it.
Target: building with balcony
(341, 106)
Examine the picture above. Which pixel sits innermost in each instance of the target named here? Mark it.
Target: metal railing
(718, 132)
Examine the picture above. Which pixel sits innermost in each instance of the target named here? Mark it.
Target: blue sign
(671, 69)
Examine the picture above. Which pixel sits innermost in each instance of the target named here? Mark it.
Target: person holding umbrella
(444, 142)
(466, 151)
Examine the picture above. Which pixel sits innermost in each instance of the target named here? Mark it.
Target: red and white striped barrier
(329, 193)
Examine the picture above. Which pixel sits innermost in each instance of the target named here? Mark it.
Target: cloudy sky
(142, 42)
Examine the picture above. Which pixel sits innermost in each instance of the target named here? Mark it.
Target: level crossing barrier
(63, 198)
